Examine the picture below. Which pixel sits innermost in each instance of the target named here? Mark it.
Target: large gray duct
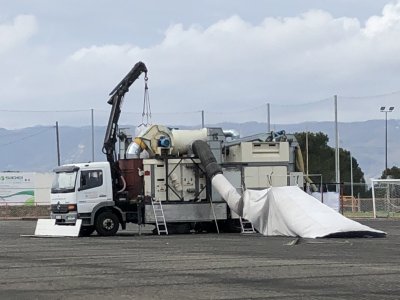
(203, 152)
(218, 181)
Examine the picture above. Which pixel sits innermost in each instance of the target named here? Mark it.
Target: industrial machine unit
(107, 195)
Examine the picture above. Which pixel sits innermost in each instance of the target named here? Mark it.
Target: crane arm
(116, 99)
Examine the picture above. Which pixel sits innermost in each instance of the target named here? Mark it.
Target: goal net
(386, 198)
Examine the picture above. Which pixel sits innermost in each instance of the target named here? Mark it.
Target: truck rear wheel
(107, 224)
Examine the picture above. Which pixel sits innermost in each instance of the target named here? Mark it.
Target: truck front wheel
(86, 230)
(107, 224)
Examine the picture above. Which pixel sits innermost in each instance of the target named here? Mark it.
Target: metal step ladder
(246, 226)
(161, 225)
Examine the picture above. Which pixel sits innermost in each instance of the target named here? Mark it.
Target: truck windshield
(64, 182)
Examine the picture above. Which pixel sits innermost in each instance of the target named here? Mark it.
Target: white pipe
(228, 193)
(182, 139)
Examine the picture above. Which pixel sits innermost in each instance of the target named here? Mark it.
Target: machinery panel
(188, 212)
(264, 177)
(296, 179)
(185, 181)
(259, 152)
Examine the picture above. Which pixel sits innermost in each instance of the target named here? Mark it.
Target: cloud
(312, 43)
(389, 21)
(307, 57)
(228, 68)
(22, 28)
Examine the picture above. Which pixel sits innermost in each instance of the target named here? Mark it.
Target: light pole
(386, 111)
(337, 152)
(351, 176)
(58, 145)
(92, 119)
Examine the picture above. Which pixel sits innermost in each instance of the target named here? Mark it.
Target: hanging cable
(146, 113)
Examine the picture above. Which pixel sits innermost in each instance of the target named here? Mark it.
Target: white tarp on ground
(289, 211)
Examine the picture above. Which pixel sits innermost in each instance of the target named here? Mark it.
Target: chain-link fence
(356, 201)
(351, 200)
(358, 205)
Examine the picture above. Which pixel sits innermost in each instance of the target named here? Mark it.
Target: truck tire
(107, 224)
(86, 230)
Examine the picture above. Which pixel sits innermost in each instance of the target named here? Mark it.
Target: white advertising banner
(17, 188)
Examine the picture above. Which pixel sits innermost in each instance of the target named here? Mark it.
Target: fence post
(341, 197)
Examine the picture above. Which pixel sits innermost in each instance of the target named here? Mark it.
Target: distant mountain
(35, 148)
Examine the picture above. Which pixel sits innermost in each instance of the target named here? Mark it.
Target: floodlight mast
(386, 111)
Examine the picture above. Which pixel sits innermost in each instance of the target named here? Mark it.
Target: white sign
(17, 188)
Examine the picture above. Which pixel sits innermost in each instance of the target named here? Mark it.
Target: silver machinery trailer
(159, 166)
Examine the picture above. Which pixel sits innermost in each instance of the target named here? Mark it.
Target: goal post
(385, 197)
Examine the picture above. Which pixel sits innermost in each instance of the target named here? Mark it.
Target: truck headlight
(71, 207)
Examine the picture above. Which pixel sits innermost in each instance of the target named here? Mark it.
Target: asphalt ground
(198, 266)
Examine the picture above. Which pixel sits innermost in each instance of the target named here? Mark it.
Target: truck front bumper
(67, 218)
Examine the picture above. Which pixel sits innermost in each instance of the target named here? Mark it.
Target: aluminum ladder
(246, 226)
(159, 216)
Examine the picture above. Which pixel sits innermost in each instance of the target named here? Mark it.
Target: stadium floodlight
(386, 111)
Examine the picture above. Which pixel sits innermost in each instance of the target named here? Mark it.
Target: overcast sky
(227, 57)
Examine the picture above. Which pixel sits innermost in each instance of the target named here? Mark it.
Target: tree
(322, 160)
(393, 173)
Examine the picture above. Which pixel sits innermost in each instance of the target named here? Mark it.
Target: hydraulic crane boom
(117, 97)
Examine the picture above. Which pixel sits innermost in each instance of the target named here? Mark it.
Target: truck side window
(91, 179)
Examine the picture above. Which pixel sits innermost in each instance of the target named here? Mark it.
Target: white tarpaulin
(289, 211)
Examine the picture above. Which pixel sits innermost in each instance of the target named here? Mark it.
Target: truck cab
(81, 191)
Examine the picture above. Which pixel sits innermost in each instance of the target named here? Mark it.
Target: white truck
(106, 196)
